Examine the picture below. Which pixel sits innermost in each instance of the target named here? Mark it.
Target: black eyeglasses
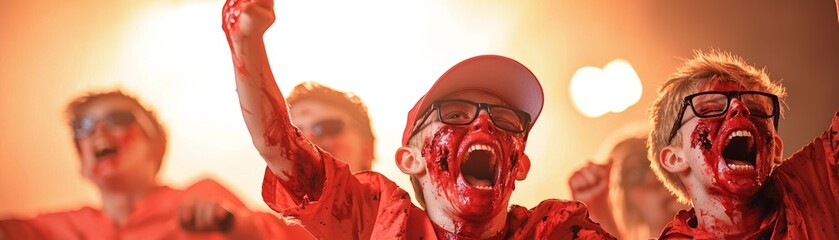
(327, 128)
(83, 126)
(462, 112)
(716, 103)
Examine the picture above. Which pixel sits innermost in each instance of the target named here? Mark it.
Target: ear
(778, 150)
(523, 167)
(671, 160)
(409, 163)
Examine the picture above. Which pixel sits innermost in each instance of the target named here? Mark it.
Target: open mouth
(105, 153)
(740, 152)
(479, 166)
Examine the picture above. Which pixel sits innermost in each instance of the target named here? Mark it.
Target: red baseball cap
(499, 75)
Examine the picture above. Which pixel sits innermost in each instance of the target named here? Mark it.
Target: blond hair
(701, 70)
(346, 101)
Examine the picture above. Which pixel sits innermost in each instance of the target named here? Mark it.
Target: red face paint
(737, 188)
(123, 139)
(447, 150)
(710, 136)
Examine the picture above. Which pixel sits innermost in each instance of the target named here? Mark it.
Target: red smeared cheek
(438, 155)
(765, 138)
(512, 147)
(702, 138)
(124, 139)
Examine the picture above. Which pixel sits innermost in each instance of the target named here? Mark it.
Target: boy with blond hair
(715, 145)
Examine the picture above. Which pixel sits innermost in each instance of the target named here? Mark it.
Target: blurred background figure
(623, 194)
(121, 146)
(335, 121)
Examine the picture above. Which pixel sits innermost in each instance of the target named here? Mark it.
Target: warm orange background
(173, 54)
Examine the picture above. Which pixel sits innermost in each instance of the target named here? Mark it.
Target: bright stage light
(614, 88)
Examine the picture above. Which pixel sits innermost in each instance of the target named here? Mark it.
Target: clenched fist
(590, 182)
(204, 215)
(243, 19)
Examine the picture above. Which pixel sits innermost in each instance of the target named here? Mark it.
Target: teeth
(483, 187)
(481, 147)
(739, 133)
(733, 166)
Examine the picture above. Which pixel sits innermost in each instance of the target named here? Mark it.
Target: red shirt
(368, 205)
(805, 193)
(153, 217)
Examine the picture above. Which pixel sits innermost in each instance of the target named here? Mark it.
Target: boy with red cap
(715, 145)
(463, 147)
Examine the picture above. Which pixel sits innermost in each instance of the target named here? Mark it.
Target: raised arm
(290, 156)
(590, 185)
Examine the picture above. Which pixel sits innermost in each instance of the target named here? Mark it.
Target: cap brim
(502, 76)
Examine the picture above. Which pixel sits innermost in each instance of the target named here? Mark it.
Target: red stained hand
(590, 182)
(247, 18)
(204, 215)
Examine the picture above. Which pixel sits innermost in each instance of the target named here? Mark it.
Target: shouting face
(472, 167)
(733, 153)
(115, 151)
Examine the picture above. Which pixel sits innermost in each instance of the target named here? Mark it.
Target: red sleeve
(808, 185)
(21, 229)
(76, 224)
(814, 168)
(680, 227)
(833, 137)
(343, 210)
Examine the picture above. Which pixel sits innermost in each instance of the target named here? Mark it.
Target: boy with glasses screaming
(121, 145)
(715, 145)
(463, 146)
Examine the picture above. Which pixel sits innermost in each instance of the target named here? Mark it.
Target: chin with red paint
(472, 169)
(735, 163)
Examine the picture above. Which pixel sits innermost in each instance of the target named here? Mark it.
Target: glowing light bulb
(614, 88)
